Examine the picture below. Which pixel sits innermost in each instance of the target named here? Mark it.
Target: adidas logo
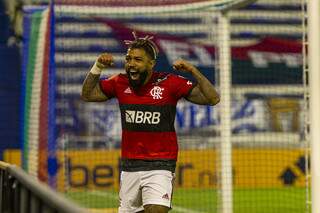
(128, 91)
(165, 196)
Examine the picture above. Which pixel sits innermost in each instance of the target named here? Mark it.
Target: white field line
(115, 197)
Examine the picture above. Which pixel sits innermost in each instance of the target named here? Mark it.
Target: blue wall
(10, 75)
(9, 97)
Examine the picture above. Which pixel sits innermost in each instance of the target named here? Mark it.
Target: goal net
(246, 154)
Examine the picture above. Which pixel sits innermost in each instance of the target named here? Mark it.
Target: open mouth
(134, 74)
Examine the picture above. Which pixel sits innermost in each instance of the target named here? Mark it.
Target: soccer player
(147, 101)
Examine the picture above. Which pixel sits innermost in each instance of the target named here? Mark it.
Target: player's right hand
(104, 60)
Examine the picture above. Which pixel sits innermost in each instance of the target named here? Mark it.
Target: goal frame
(222, 7)
(313, 18)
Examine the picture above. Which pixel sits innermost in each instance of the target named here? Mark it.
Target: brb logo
(156, 92)
(140, 117)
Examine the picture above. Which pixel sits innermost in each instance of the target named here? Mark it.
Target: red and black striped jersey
(148, 114)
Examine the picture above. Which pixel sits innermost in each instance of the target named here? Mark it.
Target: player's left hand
(182, 65)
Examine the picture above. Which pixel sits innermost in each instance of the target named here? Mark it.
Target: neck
(147, 78)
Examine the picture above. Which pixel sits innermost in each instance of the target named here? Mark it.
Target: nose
(131, 65)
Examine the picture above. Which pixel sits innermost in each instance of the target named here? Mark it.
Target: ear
(152, 63)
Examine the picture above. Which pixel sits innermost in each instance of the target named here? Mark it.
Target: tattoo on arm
(204, 92)
(91, 89)
(197, 96)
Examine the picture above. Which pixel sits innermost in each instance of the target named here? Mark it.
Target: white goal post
(225, 85)
(213, 5)
(314, 70)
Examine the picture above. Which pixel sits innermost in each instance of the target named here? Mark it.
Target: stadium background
(249, 26)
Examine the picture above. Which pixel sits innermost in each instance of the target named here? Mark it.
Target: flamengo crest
(156, 92)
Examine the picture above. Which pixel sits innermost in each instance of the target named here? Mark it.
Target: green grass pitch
(282, 200)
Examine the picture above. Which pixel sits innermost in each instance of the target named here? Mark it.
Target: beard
(136, 84)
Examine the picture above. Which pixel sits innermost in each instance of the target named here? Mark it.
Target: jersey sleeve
(182, 86)
(107, 86)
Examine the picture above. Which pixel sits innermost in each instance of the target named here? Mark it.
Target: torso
(148, 114)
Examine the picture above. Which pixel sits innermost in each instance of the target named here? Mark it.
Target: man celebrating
(147, 101)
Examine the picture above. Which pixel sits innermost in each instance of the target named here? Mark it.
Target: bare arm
(204, 93)
(91, 90)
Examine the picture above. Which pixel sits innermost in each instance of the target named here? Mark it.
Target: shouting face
(138, 66)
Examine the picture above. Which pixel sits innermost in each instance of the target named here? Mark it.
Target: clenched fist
(182, 65)
(104, 60)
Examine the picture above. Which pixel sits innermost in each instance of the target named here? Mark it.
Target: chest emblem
(156, 92)
(128, 91)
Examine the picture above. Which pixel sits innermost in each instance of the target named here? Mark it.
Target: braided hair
(143, 43)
